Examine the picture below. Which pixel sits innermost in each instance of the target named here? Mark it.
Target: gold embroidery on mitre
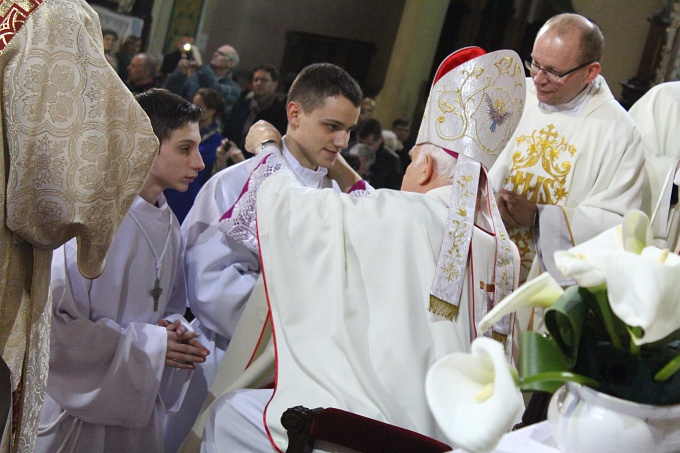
(442, 308)
(478, 107)
(547, 151)
(13, 16)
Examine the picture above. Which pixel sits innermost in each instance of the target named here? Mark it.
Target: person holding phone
(192, 74)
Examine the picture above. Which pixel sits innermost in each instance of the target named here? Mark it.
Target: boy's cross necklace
(157, 290)
(156, 293)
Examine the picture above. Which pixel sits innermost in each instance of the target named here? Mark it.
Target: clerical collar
(576, 105)
(310, 178)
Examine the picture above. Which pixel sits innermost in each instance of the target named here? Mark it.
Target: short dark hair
(271, 69)
(369, 128)
(212, 99)
(108, 31)
(130, 42)
(400, 122)
(319, 81)
(167, 111)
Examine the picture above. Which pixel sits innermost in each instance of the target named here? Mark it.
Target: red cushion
(369, 435)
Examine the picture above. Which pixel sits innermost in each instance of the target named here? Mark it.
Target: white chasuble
(76, 149)
(348, 283)
(586, 168)
(657, 115)
(221, 274)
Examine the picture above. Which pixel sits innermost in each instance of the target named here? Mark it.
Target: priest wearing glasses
(575, 163)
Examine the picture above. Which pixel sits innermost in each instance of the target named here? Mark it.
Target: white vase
(584, 420)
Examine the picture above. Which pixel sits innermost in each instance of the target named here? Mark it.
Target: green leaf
(565, 320)
(540, 355)
(552, 380)
(598, 301)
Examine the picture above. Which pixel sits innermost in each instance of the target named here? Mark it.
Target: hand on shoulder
(259, 133)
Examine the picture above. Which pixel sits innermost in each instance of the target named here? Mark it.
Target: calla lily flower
(577, 262)
(643, 291)
(642, 281)
(636, 231)
(474, 397)
(542, 292)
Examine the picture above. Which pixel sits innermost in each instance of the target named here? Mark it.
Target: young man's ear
(427, 171)
(293, 111)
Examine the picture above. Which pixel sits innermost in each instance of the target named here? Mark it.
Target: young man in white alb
(122, 353)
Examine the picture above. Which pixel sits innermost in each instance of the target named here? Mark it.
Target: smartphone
(187, 50)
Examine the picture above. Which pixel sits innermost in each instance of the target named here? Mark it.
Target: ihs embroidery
(543, 151)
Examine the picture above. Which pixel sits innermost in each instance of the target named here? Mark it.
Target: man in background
(171, 59)
(142, 73)
(385, 171)
(191, 74)
(262, 103)
(402, 129)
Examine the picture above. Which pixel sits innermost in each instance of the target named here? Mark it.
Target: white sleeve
(220, 272)
(175, 381)
(99, 370)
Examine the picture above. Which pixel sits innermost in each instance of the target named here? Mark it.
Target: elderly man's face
(137, 70)
(221, 59)
(559, 54)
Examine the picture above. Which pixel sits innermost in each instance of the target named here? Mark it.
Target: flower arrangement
(617, 330)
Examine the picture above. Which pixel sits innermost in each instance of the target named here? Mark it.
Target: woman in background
(110, 38)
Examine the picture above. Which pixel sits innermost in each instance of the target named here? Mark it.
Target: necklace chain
(157, 290)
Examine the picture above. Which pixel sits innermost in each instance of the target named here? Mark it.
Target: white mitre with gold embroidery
(475, 104)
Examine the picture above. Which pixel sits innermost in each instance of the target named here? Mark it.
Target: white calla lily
(637, 231)
(474, 397)
(642, 291)
(542, 292)
(642, 281)
(577, 264)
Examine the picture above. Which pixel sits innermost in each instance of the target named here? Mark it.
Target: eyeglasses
(552, 76)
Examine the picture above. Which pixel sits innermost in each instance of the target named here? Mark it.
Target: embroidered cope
(78, 149)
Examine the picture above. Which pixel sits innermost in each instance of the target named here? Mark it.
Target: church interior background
(393, 47)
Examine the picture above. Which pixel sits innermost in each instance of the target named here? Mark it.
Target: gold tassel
(442, 308)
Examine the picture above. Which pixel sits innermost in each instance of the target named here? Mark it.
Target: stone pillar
(411, 60)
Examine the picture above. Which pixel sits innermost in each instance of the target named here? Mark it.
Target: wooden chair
(5, 396)
(306, 426)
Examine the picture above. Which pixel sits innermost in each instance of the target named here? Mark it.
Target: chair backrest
(362, 434)
(5, 395)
